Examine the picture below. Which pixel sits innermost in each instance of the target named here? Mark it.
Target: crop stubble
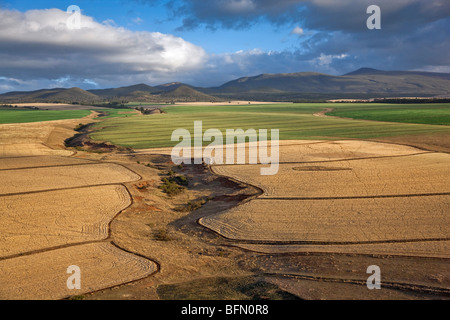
(348, 197)
(55, 212)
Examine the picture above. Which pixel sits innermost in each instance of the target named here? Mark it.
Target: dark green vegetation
(17, 115)
(174, 184)
(116, 113)
(437, 114)
(295, 121)
(193, 205)
(303, 86)
(239, 288)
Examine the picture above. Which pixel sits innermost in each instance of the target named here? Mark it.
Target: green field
(295, 121)
(25, 115)
(438, 114)
(116, 113)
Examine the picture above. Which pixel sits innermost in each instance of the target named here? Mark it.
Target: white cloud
(138, 21)
(325, 60)
(38, 44)
(298, 31)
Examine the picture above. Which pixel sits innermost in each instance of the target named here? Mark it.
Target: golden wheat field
(55, 212)
(404, 175)
(35, 221)
(41, 179)
(44, 275)
(353, 197)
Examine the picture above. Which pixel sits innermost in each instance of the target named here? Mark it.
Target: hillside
(362, 83)
(187, 94)
(59, 95)
(139, 90)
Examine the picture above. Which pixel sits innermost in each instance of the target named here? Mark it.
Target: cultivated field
(55, 211)
(343, 197)
(295, 122)
(32, 222)
(24, 115)
(42, 179)
(438, 114)
(44, 276)
(338, 204)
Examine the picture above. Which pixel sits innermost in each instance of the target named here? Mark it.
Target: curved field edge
(243, 233)
(49, 281)
(48, 218)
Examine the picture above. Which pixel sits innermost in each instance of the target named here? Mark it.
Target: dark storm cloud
(413, 34)
(331, 15)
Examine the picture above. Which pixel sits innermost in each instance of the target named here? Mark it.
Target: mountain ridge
(365, 82)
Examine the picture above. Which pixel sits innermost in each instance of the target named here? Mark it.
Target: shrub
(171, 188)
(194, 205)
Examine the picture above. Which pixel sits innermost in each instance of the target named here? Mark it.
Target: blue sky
(208, 43)
(141, 16)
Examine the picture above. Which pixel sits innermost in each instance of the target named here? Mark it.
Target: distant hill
(171, 86)
(117, 93)
(171, 92)
(59, 95)
(362, 83)
(187, 94)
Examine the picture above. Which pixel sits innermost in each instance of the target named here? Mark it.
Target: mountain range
(363, 83)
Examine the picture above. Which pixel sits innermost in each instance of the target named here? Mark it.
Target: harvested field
(29, 149)
(31, 222)
(44, 275)
(390, 176)
(304, 151)
(55, 211)
(336, 221)
(350, 197)
(34, 139)
(39, 161)
(41, 179)
(299, 151)
(425, 249)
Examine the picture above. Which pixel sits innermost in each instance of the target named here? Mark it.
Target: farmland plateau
(357, 185)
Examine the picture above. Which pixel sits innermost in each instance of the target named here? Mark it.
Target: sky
(208, 43)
